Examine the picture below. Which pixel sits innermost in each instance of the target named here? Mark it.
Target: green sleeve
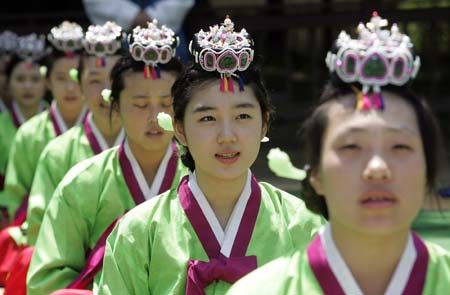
(62, 243)
(49, 172)
(126, 270)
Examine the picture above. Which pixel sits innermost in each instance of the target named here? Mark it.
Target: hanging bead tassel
(147, 72)
(366, 105)
(154, 76)
(241, 84)
(359, 101)
(222, 84)
(101, 62)
(225, 84)
(158, 72)
(230, 84)
(380, 101)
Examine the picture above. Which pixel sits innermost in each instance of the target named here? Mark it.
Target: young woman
(8, 45)
(220, 223)
(26, 86)
(370, 170)
(66, 109)
(97, 191)
(82, 141)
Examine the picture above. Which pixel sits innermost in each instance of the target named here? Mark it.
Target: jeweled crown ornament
(223, 50)
(103, 40)
(153, 46)
(378, 57)
(8, 42)
(31, 48)
(67, 37)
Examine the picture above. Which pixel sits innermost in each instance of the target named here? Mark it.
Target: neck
(70, 117)
(28, 111)
(108, 128)
(222, 194)
(148, 161)
(381, 252)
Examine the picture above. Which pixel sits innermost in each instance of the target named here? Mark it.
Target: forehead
(22, 67)
(135, 82)
(90, 64)
(64, 63)
(209, 94)
(343, 117)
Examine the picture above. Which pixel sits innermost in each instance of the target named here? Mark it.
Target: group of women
(101, 196)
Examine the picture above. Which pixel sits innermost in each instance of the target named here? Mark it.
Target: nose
(227, 132)
(377, 169)
(153, 112)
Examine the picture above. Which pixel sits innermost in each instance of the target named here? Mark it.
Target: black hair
(127, 63)
(313, 129)
(193, 78)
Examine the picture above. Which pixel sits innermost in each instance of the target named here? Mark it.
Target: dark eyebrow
(244, 105)
(201, 108)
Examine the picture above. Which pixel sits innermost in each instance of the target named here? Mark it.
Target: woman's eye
(400, 147)
(60, 78)
(349, 147)
(141, 106)
(166, 105)
(20, 79)
(207, 119)
(243, 116)
(36, 79)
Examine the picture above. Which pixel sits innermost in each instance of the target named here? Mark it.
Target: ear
(316, 182)
(264, 126)
(178, 128)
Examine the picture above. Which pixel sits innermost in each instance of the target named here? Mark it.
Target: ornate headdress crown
(67, 37)
(103, 40)
(153, 46)
(8, 42)
(378, 57)
(223, 50)
(31, 47)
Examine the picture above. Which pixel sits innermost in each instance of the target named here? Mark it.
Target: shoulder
(146, 215)
(90, 170)
(60, 143)
(34, 123)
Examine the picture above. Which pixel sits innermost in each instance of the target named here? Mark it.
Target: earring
(265, 139)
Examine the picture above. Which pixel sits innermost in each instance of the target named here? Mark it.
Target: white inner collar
(19, 114)
(59, 119)
(148, 192)
(99, 136)
(344, 276)
(225, 238)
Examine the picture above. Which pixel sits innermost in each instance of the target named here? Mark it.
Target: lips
(227, 157)
(378, 199)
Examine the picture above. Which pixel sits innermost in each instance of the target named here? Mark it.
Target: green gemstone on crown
(164, 55)
(374, 67)
(99, 47)
(70, 43)
(350, 65)
(227, 62)
(398, 68)
(209, 60)
(244, 61)
(151, 55)
(138, 52)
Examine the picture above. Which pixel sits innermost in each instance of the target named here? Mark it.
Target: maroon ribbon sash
(15, 118)
(21, 213)
(131, 179)
(94, 262)
(330, 285)
(201, 274)
(93, 142)
(2, 181)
